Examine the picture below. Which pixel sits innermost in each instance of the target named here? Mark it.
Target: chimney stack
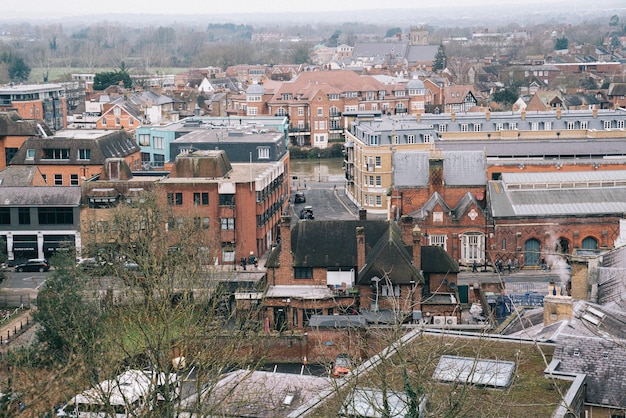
(556, 305)
(417, 247)
(360, 248)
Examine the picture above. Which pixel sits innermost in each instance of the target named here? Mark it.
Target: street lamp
(376, 280)
(319, 168)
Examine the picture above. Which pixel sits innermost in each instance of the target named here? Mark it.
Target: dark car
(307, 213)
(300, 197)
(34, 264)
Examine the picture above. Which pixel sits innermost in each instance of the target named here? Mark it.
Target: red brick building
(14, 131)
(239, 204)
(356, 267)
(72, 156)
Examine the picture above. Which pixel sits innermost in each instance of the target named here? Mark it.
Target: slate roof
(592, 342)
(617, 89)
(40, 196)
(436, 260)
(16, 175)
(102, 145)
(417, 53)
(11, 124)
(333, 244)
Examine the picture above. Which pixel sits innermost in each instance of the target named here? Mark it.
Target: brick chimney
(558, 112)
(360, 248)
(556, 307)
(406, 228)
(595, 112)
(417, 247)
(285, 258)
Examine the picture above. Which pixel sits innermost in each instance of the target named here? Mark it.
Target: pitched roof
(101, 143)
(11, 124)
(16, 175)
(41, 196)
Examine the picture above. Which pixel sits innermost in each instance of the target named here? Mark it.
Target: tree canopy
(561, 43)
(111, 78)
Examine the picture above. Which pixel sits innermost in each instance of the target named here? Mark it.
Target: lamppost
(319, 168)
(376, 280)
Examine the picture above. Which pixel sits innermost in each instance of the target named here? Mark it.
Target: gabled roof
(429, 206)
(617, 89)
(389, 258)
(18, 175)
(324, 244)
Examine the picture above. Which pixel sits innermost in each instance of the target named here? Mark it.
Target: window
(56, 154)
(620, 124)
(378, 181)
(378, 161)
(159, 160)
(175, 199)
(228, 253)
(144, 140)
(477, 127)
(58, 179)
(371, 180)
(547, 126)
(390, 291)
(472, 247)
(373, 139)
(159, 142)
(499, 126)
(396, 139)
(300, 124)
(227, 224)
(585, 124)
(428, 138)
(443, 127)
(201, 198)
(464, 127)
(84, 154)
(607, 124)
(264, 153)
(504, 243)
(571, 125)
(117, 111)
(512, 126)
(439, 240)
(410, 139)
(117, 121)
(206, 223)
(300, 111)
(73, 179)
(56, 216)
(379, 200)
(104, 121)
(227, 200)
(23, 216)
(303, 272)
(252, 111)
(5, 216)
(320, 111)
(534, 126)
(281, 112)
(30, 154)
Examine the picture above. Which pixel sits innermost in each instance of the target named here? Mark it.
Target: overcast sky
(62, 8)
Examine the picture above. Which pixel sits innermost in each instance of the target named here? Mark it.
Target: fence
(14, 300)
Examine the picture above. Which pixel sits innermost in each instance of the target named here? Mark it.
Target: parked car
(300, 197)
(307, 213)
(34, 264)
(342, 366)
(87, 263)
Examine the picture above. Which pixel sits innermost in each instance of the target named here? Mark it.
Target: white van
(127, 395)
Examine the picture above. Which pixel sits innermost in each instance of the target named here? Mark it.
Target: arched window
(590, 243)
(561, 246)
(532, 252)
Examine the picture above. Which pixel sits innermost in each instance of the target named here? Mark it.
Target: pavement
(13, 331)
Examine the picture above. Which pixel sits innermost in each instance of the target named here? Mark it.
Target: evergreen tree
(561, 43)
(440, 59)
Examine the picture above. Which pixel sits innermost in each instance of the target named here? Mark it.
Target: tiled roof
(42, 196)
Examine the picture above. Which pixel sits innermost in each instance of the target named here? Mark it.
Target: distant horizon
(60, 9)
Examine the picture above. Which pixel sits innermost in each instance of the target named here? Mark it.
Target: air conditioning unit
(439, 320)
(451, 320)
